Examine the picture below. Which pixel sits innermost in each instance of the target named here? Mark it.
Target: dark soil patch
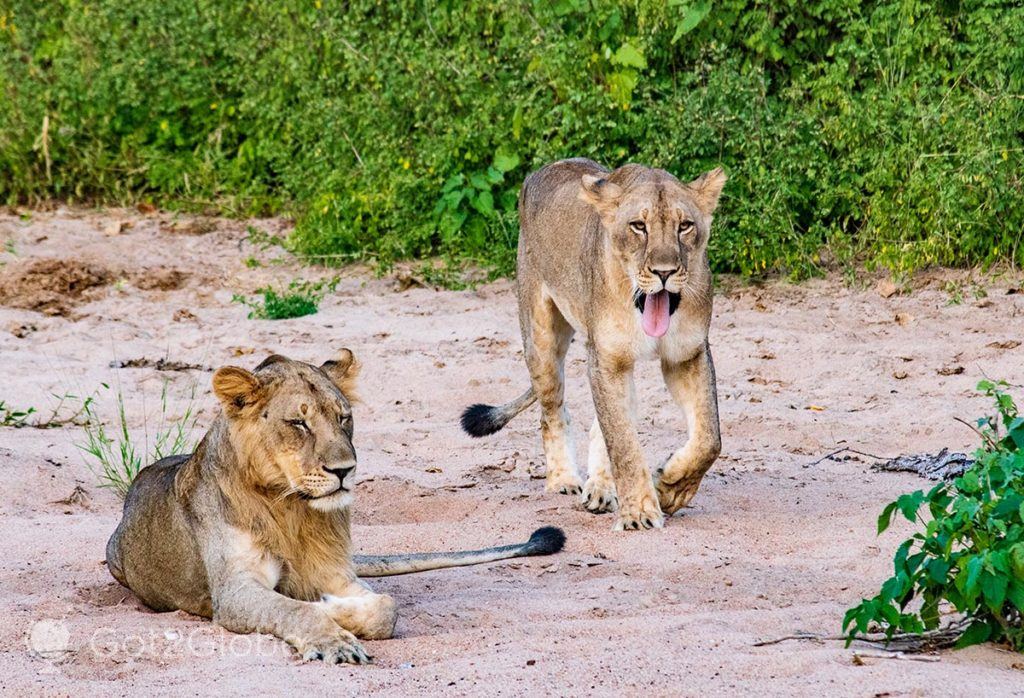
(51, 286)
(160, 279)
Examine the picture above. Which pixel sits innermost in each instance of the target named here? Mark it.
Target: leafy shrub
(886, 131)
(971, 551)
(299, 299)
(116, 458)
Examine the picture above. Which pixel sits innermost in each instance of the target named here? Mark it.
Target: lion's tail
(544, 541)
(480, 420)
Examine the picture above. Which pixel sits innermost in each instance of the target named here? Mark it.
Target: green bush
(887, 132)
(299, 299)
(970, 554)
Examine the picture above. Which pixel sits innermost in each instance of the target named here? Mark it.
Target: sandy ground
(774, 542)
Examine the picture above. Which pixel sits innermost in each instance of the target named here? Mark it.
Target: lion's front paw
(564, 482)
(334, 648)
(676, 495)
(599, 494)
(639, 514)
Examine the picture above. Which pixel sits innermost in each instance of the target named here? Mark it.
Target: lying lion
(252, 529)
(621, 258)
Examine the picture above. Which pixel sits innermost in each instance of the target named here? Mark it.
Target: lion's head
(659, 230)
(291, 425)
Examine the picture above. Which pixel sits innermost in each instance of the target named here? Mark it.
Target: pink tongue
(655, 318)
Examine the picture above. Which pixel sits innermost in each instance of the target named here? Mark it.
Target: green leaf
(993, 590)
(494, 176)
(484, 203)
(693, 16)
(974, 568)
(452, 182)
(505, 161)
(1015, 593)
(479, 181)
(886, 517)
(937, 570)
(910, 503)
(1017, 557)
(613, 22)
(630, 57)
(621, 85)
(977, 633)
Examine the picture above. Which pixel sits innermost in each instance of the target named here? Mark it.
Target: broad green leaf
(886, 517)
(1015, 593)
(479, 181)
(621, 85)
(630, 57)
(452, 182)
(977, 633)
(974, 568)
(505, 161)
(494, 176)
(693, 16)
(484, 203)
(910, 503)
(993, 590)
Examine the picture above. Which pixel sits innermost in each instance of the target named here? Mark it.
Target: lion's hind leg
(547, 335)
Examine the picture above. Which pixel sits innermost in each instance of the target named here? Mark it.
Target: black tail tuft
(545, 541)
(480, 420)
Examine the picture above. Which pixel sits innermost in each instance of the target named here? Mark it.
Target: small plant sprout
(115, 455)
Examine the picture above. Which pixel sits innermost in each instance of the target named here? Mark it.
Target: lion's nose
(664, 274)
(341, 473)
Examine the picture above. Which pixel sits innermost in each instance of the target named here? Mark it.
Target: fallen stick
(845, 449)
(939, 638)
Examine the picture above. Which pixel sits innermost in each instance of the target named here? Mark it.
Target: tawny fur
(253, 528)
(591, 240)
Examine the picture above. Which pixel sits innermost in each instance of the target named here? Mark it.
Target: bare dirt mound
(51, 286)
(157, 279)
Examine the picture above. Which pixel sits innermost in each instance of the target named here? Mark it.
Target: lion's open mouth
(655, 310)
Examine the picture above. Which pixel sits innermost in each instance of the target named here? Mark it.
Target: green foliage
(116, 458)
(883, 131)
(299, 299)
(14, 417)
(970, 553)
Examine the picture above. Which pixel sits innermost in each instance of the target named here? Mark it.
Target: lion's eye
(346, 421)
(299, 424)
(686, 227)
(638, 227)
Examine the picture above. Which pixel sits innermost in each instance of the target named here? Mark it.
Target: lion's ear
(600, 193)
(235, 387)
(708, 187)
(343, 371)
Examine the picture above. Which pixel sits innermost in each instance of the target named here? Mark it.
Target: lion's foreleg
(638, 503)
(242, 579)
(243, 605)
(599, 491)
(692, 385)
(359, 610)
